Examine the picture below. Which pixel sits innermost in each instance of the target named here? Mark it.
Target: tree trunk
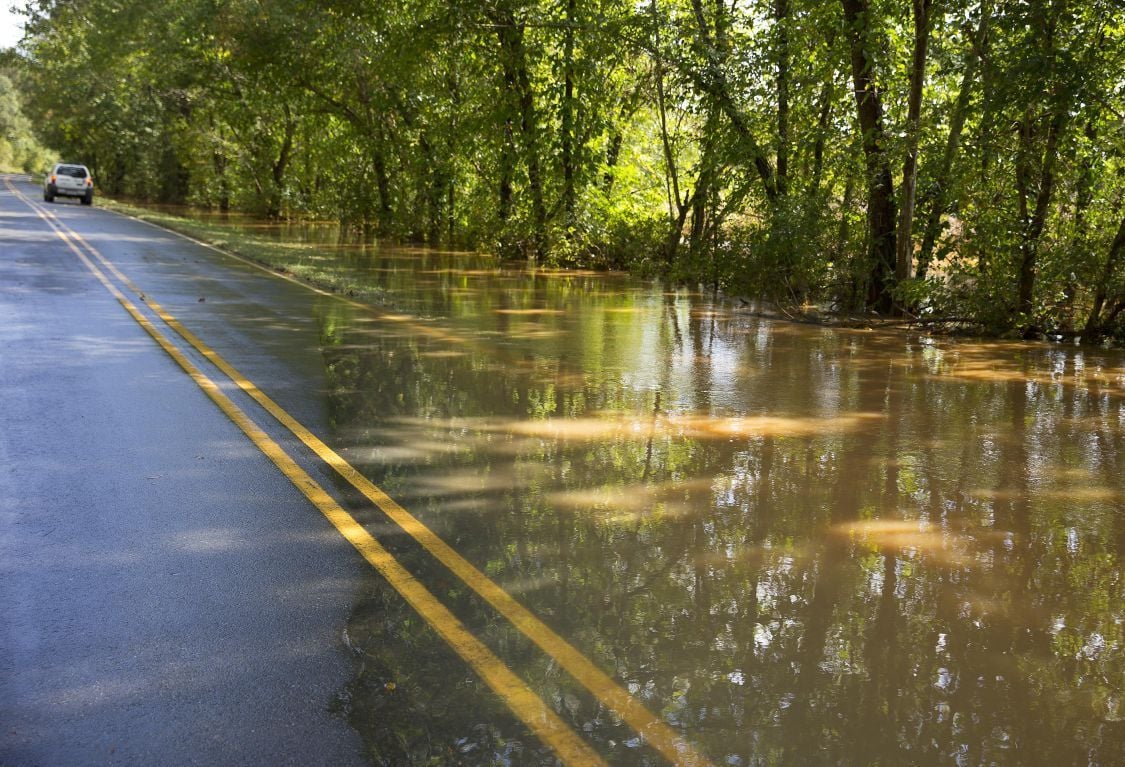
(1033, 222)
(676, 230)
(904, 248)
(452, 152)
(781, 18)
(517, 84)
(568, 118)
(715, 84)
(507, 168)
(880, 187)
(935, 200)
(1093, 328)
(827, 94)
(534, 174)
(1079, 240)
(431, 182)
(219, 163)
(612, 155)
(677, 209)
(843, 232)
(382, 185)
(704, 189)
(273, 206)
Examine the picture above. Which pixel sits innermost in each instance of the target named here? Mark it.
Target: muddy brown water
(796, 545)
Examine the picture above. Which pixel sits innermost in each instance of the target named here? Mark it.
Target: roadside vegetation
(958, 161)
(20, 151)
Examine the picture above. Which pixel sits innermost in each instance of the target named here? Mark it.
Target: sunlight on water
(913, 537)
(799, 545)
(842, 516)
(610, 426)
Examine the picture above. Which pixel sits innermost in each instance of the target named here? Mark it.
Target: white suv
(69, 181)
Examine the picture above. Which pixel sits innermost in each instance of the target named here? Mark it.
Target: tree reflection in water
(797, 545)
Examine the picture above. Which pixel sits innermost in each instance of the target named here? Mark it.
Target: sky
(10, 25)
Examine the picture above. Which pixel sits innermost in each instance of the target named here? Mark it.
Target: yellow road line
(520, 698)
(658, 734)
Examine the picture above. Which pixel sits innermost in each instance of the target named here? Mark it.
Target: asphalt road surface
(168, 596)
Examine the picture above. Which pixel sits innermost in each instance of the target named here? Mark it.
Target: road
(168, 596)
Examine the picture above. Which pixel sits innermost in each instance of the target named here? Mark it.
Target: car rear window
(74, 171)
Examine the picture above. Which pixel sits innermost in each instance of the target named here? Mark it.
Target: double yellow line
(516, 694)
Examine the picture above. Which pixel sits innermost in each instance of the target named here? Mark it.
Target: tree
(708, 140)
(863, 39)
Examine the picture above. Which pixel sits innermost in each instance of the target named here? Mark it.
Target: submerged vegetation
(955, 160)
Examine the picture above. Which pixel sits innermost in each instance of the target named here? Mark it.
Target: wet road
(687, 534)
(167, 597)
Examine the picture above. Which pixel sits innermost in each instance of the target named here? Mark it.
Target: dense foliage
(19, 149)
(955, 159)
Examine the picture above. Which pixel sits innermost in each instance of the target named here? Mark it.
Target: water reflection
(798, 545)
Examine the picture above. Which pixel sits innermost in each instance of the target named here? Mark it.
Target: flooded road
(791, 544)
(796, 545)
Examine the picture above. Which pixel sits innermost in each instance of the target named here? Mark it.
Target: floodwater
(796, 545)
